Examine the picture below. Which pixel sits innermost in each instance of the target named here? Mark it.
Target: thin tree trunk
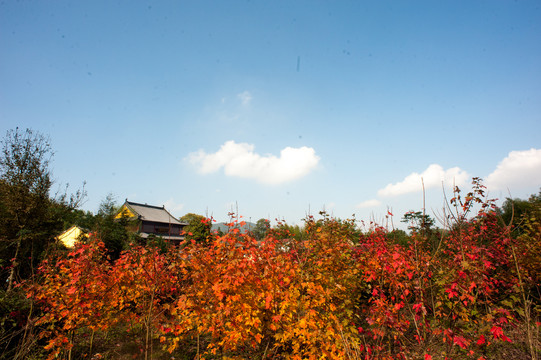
(91, 342)
(25, 344)
(149, 330)
(13, 266)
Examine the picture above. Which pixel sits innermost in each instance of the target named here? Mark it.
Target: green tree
(198, 228)
(81, 218)
(26, 222)
(515, 211)
(30, 218)
(261, 229)
(111, 231)
(418, 222)
(422, 227)
(399, 236)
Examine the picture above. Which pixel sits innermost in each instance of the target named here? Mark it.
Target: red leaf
(497, 332)
(268, 301)
(460, 341)
(481, 340)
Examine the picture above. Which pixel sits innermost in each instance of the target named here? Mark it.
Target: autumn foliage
(330, 295)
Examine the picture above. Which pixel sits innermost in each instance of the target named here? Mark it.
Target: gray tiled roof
(152, 213)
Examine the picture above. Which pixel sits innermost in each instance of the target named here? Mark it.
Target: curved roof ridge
(152, 213)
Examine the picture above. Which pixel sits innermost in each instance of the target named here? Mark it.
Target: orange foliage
(326, 296)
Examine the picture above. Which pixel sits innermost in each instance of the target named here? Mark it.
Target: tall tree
(111, 231)
(25, 181)
(262, 227)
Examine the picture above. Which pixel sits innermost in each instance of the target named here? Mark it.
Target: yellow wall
(70, 236)
(124, 212)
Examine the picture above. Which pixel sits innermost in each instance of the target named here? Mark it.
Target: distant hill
(248, 226)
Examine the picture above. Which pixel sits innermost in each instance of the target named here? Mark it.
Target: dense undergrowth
(467, 291)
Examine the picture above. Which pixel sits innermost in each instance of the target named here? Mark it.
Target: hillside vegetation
(468, 291)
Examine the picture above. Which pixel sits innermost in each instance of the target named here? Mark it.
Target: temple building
(147, 220)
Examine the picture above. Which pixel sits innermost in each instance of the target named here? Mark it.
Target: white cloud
(245, 98)
(518, 169)
(240, 160)
(432, 177)
(368, 204)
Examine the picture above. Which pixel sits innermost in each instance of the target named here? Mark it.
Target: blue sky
(279, 108)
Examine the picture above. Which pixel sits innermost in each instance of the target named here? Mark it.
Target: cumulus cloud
(240, 160)
(369, 204)
(432, 177)
(245, 98)
(518, 169)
